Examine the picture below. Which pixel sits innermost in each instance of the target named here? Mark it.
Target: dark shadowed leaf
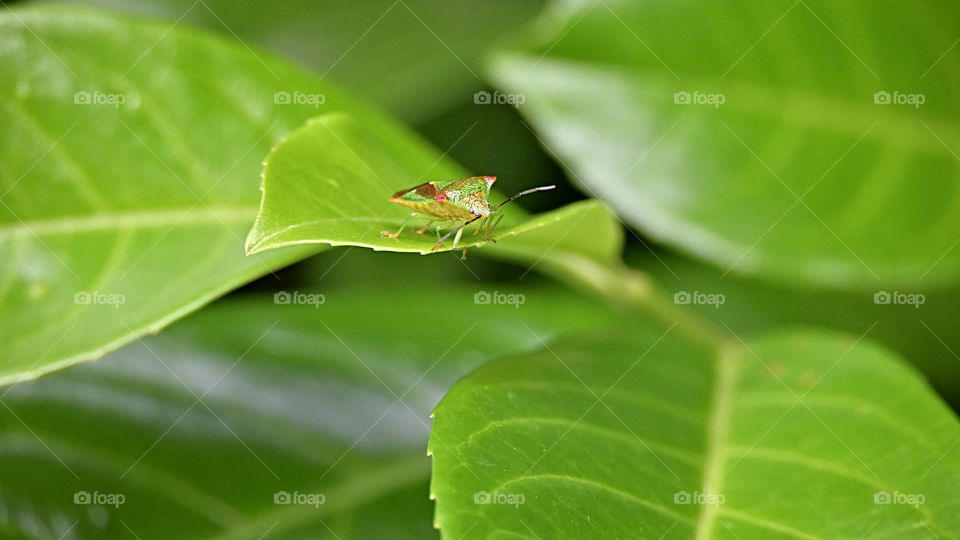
(295, 396)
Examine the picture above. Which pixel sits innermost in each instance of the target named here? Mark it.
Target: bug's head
(489, 180)
(441, 197)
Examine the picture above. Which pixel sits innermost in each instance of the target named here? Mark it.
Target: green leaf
(329, 182)
(414, 47)
(128, 176)
(295, 398)
(798, 174)
(794, 435)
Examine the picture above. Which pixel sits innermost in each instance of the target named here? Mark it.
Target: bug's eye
(441, 197)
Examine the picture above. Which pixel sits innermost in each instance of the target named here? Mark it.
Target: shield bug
(460, 201)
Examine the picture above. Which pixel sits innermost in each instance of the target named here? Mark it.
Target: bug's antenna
(526, 192)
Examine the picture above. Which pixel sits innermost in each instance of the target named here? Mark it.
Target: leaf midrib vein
(727, 365)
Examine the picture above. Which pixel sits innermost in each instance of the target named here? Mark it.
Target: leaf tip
(253, 244)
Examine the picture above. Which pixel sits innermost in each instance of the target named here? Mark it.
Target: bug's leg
(456, 231)
(456, 238)
(441, 239)
(492, 226)
(485, 228)
(425, 228)
(482, 225)
(397, 234)
(463, 254)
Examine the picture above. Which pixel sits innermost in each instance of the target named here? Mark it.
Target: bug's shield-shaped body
(457, 200)
(463, 200)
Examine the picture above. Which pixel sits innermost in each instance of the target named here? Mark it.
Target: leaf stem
(633, 289)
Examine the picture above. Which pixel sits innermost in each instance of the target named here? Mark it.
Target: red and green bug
(462, 201)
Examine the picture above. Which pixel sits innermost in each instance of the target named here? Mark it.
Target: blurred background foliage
(428, 57)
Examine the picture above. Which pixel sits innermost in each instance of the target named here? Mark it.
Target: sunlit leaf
(329, 183)
(129, 174)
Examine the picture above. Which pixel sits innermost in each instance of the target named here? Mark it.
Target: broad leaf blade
(798, 174)
(797, 435)
(329, 181)
(294, 398)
